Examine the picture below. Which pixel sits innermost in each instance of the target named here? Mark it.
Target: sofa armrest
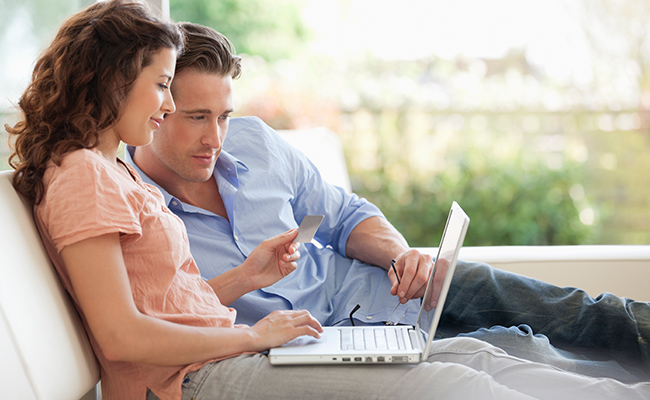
(619, 269)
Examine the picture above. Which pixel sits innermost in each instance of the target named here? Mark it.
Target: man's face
(188, 142)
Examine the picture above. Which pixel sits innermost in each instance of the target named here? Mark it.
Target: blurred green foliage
(495, 145)
(507, 204)
(271, 29)
(419, 134)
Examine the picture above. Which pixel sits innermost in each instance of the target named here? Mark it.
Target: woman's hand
(281, 326)
(272, 260)
(269, 262)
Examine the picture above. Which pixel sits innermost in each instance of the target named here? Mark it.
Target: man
(236, 182)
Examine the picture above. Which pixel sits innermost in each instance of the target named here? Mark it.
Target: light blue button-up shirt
(267, 187)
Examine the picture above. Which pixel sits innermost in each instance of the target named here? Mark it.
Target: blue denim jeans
(602, 336)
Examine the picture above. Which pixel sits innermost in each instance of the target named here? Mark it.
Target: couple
(158, 328)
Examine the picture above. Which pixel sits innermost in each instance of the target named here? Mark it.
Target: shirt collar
(229, 164)
(128, 156)
(226, 163)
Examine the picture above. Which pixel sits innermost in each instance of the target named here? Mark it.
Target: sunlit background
(533, 114)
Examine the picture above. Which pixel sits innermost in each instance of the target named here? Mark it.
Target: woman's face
(148, 101)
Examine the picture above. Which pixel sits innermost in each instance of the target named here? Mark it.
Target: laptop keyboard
(368, 338)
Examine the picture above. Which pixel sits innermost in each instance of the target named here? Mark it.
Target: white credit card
(308, 228)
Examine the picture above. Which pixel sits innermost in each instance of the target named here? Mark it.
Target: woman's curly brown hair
(80, 84)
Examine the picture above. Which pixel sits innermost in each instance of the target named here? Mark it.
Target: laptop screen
(443, 270)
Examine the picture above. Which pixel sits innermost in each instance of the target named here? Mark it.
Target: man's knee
(473, 273)
(463, 345)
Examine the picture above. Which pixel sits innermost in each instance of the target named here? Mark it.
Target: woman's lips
(157, 122)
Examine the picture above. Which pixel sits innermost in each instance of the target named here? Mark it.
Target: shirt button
(174, 203)
(368, 317)
(236, 238)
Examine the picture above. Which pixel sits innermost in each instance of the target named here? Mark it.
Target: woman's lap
(456, 368)
(252, 376)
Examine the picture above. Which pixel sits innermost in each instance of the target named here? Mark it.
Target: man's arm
(376, 241)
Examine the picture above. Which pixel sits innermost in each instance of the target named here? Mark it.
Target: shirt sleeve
(86, 199)
(313, 195)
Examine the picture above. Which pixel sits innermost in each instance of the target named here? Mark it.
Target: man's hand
(375, 241)
(413, 269)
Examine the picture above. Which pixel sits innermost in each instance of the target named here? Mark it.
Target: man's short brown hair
(207, 50)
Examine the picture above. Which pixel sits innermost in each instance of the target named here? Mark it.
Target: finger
(283, 238)
(308, 330)
(394, 283)
(291, 256)
(292, 234)
(421, 278)
(409, 269)
(304, 318)
(287, 267)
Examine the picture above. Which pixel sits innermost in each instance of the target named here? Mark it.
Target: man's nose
(213, 135)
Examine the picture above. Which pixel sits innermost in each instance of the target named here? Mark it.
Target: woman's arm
(125, 334)
(270, 261)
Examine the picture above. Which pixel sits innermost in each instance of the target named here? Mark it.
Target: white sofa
(46, 354)
(44, 350)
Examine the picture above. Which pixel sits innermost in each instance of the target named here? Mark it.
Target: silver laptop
(386, 344)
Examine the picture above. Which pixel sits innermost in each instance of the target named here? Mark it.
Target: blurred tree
(507, 204)
(271, 29)
(393, 114)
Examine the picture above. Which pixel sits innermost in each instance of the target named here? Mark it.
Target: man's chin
(199, 176)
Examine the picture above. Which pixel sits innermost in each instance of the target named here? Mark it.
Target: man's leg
(520, 341)
(601, 328)
(535, 379)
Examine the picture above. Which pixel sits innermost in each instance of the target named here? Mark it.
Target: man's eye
(163, 86)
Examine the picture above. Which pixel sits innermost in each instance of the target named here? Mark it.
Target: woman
(159, 330)
(122, 256)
